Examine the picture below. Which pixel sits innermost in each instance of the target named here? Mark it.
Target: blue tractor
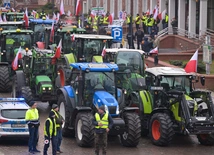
(93, 85)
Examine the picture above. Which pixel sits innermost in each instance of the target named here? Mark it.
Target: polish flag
(73, 37)
(191, 66)
(54, 16)
(62, 12)
(111, 18)
(16, 59)
(155, 13)
(154, 10)
(154, 51)
(4, 18)
(26, 18)
(52, 33)
(104, 51)
(162, 15)
(58, 51)
(57, 17)
(78, 8)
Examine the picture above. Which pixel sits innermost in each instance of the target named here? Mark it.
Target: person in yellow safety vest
(32, 119)
(95, 27)
(89, 20)
(128, 20)
(101, 19)
(59, 121)
(137, 21)
(103, 122)
(50, 133)
(150, 23)
(144, 20)
(42, 14)
(165, 21)
(37, 15)
(106, 20)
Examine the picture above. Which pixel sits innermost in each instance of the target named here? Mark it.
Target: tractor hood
(43, 80)
(106, 99)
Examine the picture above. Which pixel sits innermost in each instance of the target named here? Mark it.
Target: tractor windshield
(181, 83)
(10, 27)
(99, 81)
(42, 66)
(39, 30)
(130, 60)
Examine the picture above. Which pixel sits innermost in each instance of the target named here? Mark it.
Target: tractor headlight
(117, 110)
(2, 53)
(106, 108)
(19, 65)
(49, 88)
(43, 88)
(26, 65)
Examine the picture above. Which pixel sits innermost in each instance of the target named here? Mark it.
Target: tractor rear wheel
(84, 129)
(131, 136)
(161, 129)
(206, 139)
(65, 113)
(26, 93)
(5, 82)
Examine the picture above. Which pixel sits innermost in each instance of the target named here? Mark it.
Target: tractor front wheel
(26, 93)
(5, 82)
(84, 129)
(206, 139)
(161, 130)
(132, 134)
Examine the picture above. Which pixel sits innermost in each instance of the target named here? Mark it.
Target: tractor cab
(11, 40)
(16, 16)
(11, 25)
(190, 110)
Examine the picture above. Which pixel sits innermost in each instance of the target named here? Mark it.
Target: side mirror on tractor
(202, 78)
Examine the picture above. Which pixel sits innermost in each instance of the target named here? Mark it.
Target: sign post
(117, 34)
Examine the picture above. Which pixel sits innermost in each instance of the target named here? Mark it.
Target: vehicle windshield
(39, 30)
(129, 60)
(176, 82)
(10, 27)
(99, 81)
(13, 113)
(19, 39)
(42, 66)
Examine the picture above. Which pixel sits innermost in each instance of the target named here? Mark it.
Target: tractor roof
(12, 23)
(167, 71)
(95, 67)
(15, 13)
(41, 21)
(92, 36)
(16, 31)
(71, 29)
(116, 50)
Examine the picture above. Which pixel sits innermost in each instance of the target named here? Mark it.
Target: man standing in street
(50, 133)
(103, 123)
(59, 122)
(32, 119)
(139, 35)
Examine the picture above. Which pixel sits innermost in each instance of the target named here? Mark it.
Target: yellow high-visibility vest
(104, 121)
(50, 128)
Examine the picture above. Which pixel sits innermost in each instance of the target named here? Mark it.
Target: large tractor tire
(18, 83)
(206, 139)
(161, 129)
(65, 113)
(26, 93)
(131, 136)
(84, 129)
(5, 82)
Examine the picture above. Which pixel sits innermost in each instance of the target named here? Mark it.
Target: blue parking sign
(117, 34)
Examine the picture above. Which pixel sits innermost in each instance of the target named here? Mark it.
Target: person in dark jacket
(130, 38)
(174, 24)
(147, 45)
(59, 122)
(103, 122)
(139, 35)
(50, 132)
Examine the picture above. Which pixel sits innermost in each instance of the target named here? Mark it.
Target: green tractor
(173, 105)
(11, 41)
(11, 25)
(37, 79)
(93, 85)
(16, 16)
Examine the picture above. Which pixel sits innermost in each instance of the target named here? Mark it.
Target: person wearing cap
(59, 121)
(32, 119)
(50, 132)
(103, 122)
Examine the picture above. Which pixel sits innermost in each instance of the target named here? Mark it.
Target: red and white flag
(52, 33)
(73, 37)
(62, 12)
(162, 15)
(155, 12)
(13, 10)
(57, 17)
(69, 13)
(47, 16)
(26, 18)
(154, 51)
(104, 51)
(16, 59)
(191, 66)
(4, 18)
(111, 18)
(148, 12)
(58, 50)
(54, 16)
(78, 8)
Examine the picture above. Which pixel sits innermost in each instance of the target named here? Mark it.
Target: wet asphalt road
(181, 145)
